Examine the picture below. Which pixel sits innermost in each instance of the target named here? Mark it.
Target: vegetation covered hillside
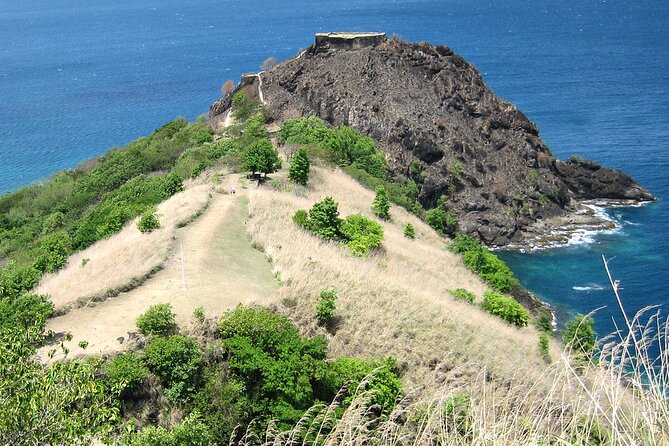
(375, 328)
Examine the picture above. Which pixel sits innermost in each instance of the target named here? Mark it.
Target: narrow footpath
(221, 270)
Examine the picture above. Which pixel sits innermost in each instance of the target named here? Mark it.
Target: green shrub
(544, 322)
(579, 335)
(543, 347)
(301, 218)
(361, 234)
(380, 205)
(16, 279)
(53, 222)
(491, 269)
(463, 295)
(121, 205)
(191, 432)
(409, 231)
(148, 221)
(244, 107)
(127, 372)
(442, 221)
(29, 310)
(158, 320)
(506, 307)
(52, 252)
(278, 368)
(344, 145)
(299, 167)
(379, 378)
(177, 362)
(326, 306)
(464, 243)
(457, 414)
(305, 130)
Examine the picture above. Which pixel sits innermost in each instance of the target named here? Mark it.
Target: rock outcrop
(424, 104)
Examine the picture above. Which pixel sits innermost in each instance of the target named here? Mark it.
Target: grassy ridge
(41, 225)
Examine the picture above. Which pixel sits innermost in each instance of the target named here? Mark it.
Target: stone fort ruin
(348, 41)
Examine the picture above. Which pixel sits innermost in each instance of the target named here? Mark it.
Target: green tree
(380, 205)
(299, 167)
(579, 335)
(324, 219)
(262, 157)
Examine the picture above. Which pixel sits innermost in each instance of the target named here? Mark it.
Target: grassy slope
(221, 270)
(396, 301)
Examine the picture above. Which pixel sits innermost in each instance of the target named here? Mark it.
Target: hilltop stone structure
(348, 41)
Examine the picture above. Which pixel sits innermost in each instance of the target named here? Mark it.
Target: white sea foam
(588, 287)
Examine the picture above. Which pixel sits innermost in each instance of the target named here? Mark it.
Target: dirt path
(220, 270)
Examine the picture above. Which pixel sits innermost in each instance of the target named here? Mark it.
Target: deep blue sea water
(77, 77)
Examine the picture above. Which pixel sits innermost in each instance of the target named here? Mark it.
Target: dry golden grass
(125, 259)
(396, 301)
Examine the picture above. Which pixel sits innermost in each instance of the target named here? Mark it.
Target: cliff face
(424, 103)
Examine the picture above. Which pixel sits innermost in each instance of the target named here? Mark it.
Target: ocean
(78, 77)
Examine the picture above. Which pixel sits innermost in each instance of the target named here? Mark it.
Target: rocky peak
(425, 104)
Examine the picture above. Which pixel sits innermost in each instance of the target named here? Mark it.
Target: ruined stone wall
(349, 41)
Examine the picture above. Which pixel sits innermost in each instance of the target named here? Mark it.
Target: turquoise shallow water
(77, 78)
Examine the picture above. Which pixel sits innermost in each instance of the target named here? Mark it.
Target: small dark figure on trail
(232, 190)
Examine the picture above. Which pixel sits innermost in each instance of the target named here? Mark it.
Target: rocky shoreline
(577, 227)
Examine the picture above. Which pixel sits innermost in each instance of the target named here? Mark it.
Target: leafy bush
(16, 279)
(543, 347)
(53, 222)
(191, 432)
(491, 269)
(52, 252)
(177, 362)
(305, 130)
(344, 145)
(25, 311)
(123, 204)
(506, 307)
(457, 414)
(158, 320)
(442, 221)
(380, 206)
(126, 372)
(276, 366)
(409, 231)
(148, 221)
(326, 306)
(579, 335)
(380, 380)
(361, 234)
(464, 243)
(301, 218)
(299, 167)
(244, 107)
(463, 295)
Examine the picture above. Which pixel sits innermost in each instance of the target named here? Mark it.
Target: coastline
(578, 227)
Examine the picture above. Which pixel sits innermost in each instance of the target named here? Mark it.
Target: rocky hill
(429, 109)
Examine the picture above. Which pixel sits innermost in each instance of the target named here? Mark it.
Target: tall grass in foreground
(618, 399)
